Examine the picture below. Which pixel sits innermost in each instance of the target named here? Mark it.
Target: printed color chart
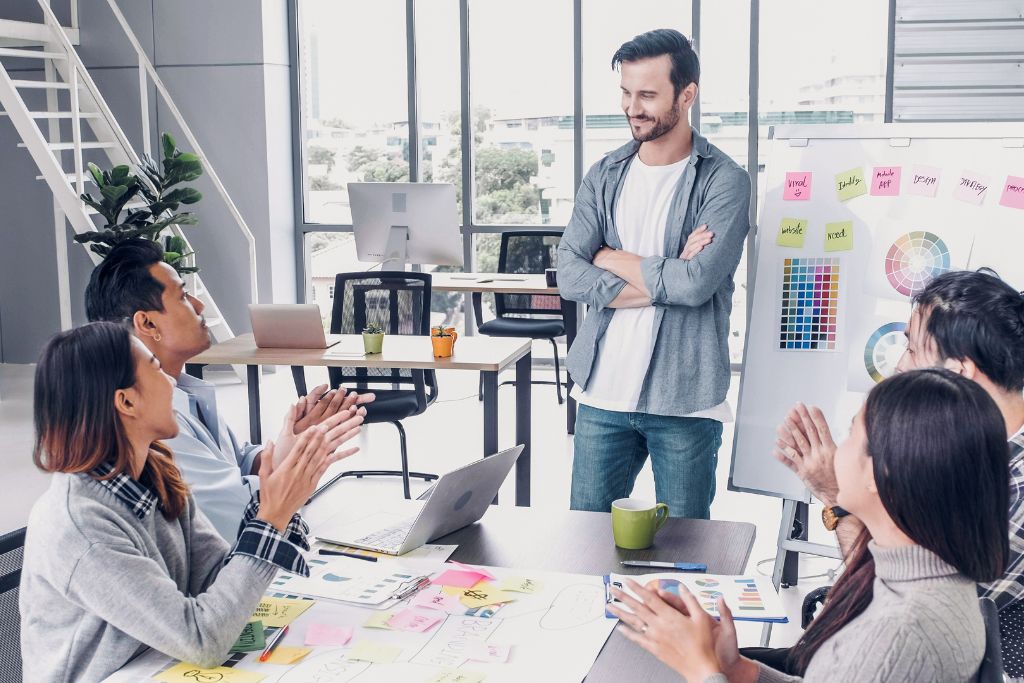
(914, 259)
(809, 313)
(883, 350)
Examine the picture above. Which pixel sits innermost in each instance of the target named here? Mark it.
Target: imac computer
(401, 223)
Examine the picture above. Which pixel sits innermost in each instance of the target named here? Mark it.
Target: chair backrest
(397, 301)
(12, 547)
(530, 251)
(991, 670)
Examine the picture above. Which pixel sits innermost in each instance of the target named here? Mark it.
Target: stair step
(64, 146)
(72, 178)
(47, 85)
(30, 54)
(60, 114)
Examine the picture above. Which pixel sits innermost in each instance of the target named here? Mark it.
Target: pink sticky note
(486, 652)
(885, 181)
(923, 181)
(418, 621)
(459, 579)
(798, 186)
(971, 187)
(469, 568)
(1013, 193)
(324, 634)
(433, 598)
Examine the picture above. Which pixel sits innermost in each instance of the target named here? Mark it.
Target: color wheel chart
(810, 304)
(914, 259)
(883, 350)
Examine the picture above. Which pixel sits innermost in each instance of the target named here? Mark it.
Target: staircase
(74, 126)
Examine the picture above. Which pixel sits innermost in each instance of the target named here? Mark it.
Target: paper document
(751, 598)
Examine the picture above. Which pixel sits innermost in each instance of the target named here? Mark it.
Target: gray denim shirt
(689, 370)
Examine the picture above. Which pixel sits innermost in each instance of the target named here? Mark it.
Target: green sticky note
(839, 236)
(251, 639)
(379, 620)
(850, 184)
(792, 232)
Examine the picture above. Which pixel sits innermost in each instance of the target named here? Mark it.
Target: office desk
(581, 542)
(515, 283)
(489, 355)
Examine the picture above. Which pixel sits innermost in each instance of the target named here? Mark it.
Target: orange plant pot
(444, 347)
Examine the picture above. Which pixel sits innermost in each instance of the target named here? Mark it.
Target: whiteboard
(899, 237)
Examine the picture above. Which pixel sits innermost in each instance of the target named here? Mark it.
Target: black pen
(368, 558)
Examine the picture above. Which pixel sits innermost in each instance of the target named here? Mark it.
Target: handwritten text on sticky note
(923, 181)
(433, 598)
(251, 638)
(839, 236)
(850, 184)
(792, 232)
(417, 621)
(190, 673)
(371, 651)
(520, 584)
(798, 186)
(1013, 193)
(379, 620)
(277, 612)
(488, 652)
(885, 181)
(971, 188)
(457, 676)
(484, 594)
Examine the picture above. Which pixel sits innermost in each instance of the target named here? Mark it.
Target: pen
(272, 643)
(681, 566)
(421, 583)
(368, 558)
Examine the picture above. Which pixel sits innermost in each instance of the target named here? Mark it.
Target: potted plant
(373, 338)
(443, 340)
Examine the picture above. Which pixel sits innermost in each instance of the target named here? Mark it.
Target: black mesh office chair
(12, 547)
(991, 670)
(400, 303)
(526, 252)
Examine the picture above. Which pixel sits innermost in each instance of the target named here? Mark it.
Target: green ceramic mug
(635, 521)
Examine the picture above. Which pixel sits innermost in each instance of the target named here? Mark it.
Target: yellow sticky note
(456, 676)
(839, 236)
(288, 655)
(850, 184)
(483, 594)
(277, 612)
(190, 673)
(379, 620)
(792, 232)
(520, 584)
(370, 651)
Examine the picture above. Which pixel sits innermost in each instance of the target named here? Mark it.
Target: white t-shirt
(625, 350)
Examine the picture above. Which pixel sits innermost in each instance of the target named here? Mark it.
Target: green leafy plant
(440, 331)
(162, 199)
(373, 328)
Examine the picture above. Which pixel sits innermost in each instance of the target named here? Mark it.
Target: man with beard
(652, 246)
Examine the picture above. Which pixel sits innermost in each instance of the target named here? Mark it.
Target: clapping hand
(338, 428)
(806, 447)
(320, 404)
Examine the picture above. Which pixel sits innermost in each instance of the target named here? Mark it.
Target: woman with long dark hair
(925, 470)
(118, 558)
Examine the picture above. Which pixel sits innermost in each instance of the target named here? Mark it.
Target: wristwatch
(831, 515)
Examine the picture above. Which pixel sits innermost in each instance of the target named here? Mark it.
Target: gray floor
(446, 436)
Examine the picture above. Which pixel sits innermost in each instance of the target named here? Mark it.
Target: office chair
(526, 252)
(991, 669)
(12, 552)
(399, 302)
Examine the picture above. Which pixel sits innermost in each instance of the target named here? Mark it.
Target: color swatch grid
(810, 304)
(750, 598)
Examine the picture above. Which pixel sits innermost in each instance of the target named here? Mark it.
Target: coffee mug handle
(660, 515)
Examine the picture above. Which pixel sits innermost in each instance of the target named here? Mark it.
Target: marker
(272, 643)
(368, 558)
(681, 566)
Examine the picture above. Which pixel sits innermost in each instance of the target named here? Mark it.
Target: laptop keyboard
(390, 538)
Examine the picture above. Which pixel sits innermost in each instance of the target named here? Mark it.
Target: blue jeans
(611, 447)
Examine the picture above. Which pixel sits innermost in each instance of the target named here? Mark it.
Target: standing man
(651, 362)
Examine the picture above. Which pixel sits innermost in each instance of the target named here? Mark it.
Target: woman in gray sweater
(118, 558)
(925, 470)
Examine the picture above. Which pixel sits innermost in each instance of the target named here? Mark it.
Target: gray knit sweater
(99, 585)
(923, 624)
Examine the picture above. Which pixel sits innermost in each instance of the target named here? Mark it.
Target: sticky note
(325, 634)
(850, 184)
(468, 568)
(277, 612)
(433, 598)
(190, 673)
(923, 181)
(416, 621)
(792, 232)
(379, 620)
(284, 654)
(251, 638)
(459, 579)
(520, 584)
(971, 188)
(371, 651)
(456, 676)
(839, 236)
(1013, 193)
(484, 594)
(798, 186)
(488, 652)
(885, 181)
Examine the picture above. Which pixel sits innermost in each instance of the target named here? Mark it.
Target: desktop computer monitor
(400, 223)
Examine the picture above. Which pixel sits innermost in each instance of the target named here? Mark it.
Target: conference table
(487, 355)
(479, 284)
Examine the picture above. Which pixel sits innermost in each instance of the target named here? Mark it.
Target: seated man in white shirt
(134, 286)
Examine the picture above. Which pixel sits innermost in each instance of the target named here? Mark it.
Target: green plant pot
(373, 343)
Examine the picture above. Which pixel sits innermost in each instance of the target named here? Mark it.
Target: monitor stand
(397, 249)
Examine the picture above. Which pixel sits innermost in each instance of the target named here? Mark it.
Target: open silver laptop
(289, 326)
(459, 498)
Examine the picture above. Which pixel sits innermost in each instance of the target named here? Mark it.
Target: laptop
(459, 498)
(289, 326)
